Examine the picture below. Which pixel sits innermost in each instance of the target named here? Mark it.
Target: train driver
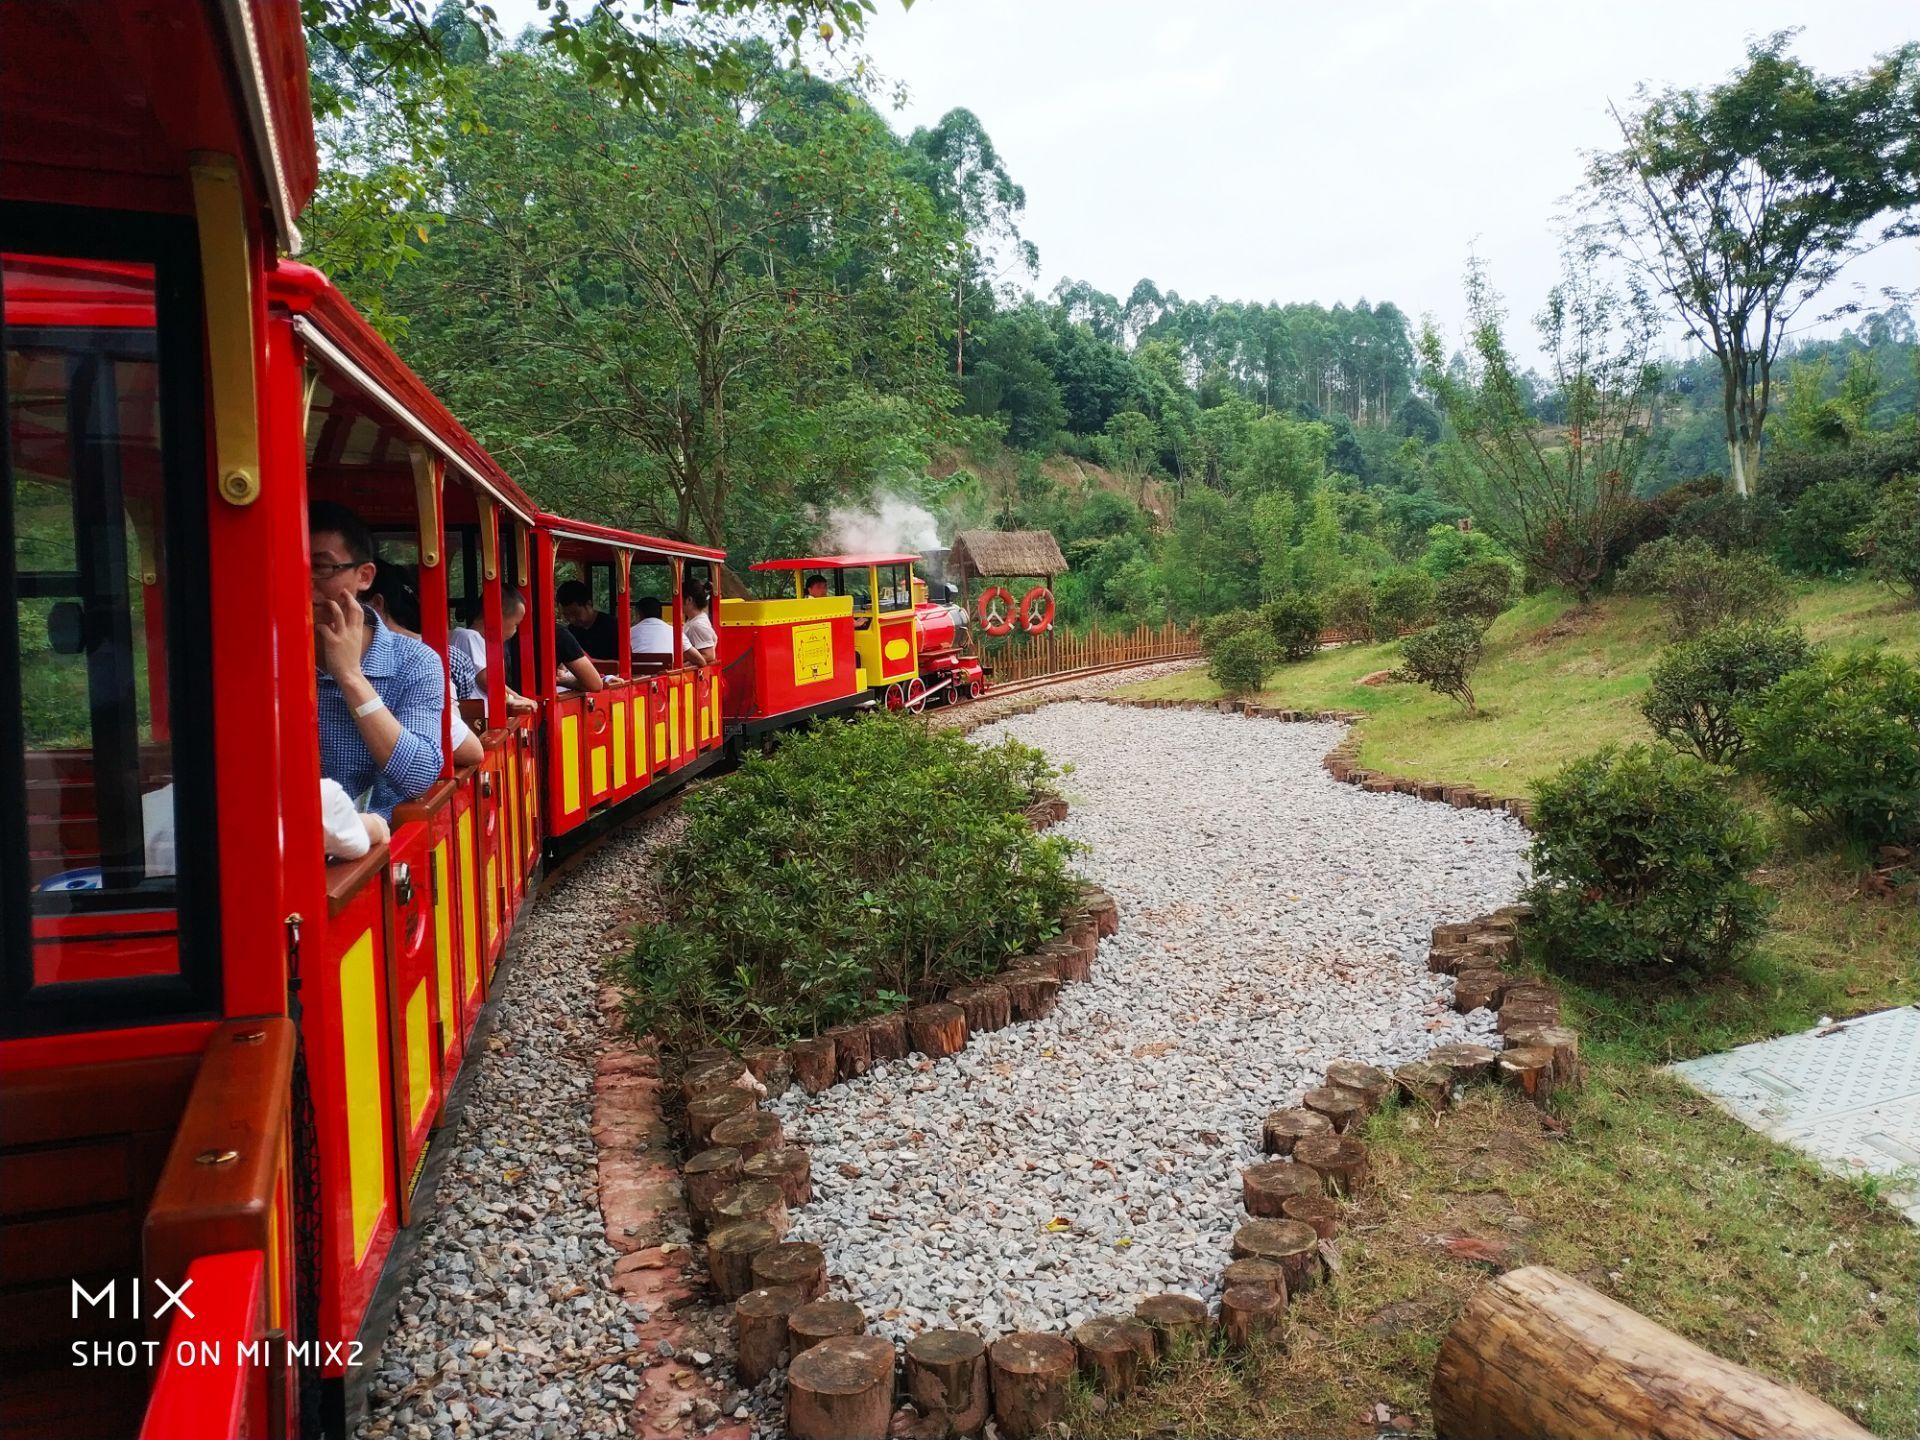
(380, 693)
(816, 587)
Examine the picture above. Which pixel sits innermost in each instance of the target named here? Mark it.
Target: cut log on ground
(1285, 1128)
(760, 1331)
(1248, 1312)
(987, 1007)
(1023, 992)
(813, 1064)
(706, 1175)
(1537, 1353)
(1426, 1083)
(1264, 1188)
(1109, 1355)
(1039, 962)
(1179, 1323)
(1340, 1159)
(937, 1029)
(730, 1251)
(1522, 991)
(852, 1050)
(708, 1109)
(1529, 1069)
(1474, 989)
(1521, 1014)
(1564, 1043)
(1070, 959)
(841, 1389)
(1253, 1271)
(1342, 1106)
(1368, 1080)
(947, 1379)
(1466, 1060)
(708, 1075)
(796, 1265)
(1294, 1247)
(750, 1132)
(788, 1166)
(1314, 1210)
(1454, 931)
(819, 1320)
(771, 1067)
(1449, 959)
(752, 1200)
(887, 1037)
(1031, 1373)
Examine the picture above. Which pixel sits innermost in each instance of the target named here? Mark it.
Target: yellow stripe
(673, 724)
(686, 702)
(443, 937)
(619, 744)
(569, 763)
(366, 1130)
(419, 1054)
(469, 915)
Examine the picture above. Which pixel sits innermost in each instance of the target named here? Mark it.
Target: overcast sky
(1279, 150)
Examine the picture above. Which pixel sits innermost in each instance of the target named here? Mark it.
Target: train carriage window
(96, 789)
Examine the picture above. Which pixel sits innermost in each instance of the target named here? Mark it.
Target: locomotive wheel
(896, 698)
(915, 695)
(960, 692)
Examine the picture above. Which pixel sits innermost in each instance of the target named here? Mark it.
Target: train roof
(586, 531)
(837, 562)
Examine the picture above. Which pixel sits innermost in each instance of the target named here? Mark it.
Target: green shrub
(1443, 658)
(1402, 600)
(1875, 459)
(1727, 522)
(1703, 589)
(1216, 628)
(1699, 683)
(1640, 864)
(1817, 535)
(1240, 663)
(1645, 571)
(1481, 592)
(859, 865)
(1295, 623)
(1890, 539)
(1350, 611)
(1839, 741)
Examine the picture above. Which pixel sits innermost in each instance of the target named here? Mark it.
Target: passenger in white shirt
(650, 634)
(701, 642)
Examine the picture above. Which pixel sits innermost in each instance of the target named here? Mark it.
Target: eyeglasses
(326, 570)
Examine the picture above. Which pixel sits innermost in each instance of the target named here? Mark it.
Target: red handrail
(212, 1379)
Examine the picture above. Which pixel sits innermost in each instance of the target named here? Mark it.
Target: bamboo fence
(1026, 657)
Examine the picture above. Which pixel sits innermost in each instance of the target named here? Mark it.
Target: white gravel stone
(1271, 921)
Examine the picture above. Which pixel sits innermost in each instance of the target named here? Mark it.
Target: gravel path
(1271, 921)
(508, 1325)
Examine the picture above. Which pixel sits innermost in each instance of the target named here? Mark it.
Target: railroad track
(1014, 687)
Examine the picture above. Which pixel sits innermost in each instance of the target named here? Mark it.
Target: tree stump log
(1068, 960)
(819, 1320)
(1459, 796)
(795, 1265)
(730, 1251)
(1431, 789)
(1529, 1070)
(1024, 992)
(1109, 1354)
(1179, 1323)
(1425, 1082)
(1266, 1187)
(937, 1029)
(1291, 1245)
(696, 1080)
(750, 1132)
(760, 1331)
(947, 1379)
(1519, 912)
(1498, 923)
(788, 1166)
(1453, 931)
(1448, 959)
(813, 1063)
(1252, 1271)
(887, 1037)
(1248, 1312)
(988, 1007)
(1564, 1043)
(1522, 991)
(771, 1067)
(1368, 1080)
(1474, 989)
(1340, 1159)
(852, 1050)
(1031, 1373)
(1537, 1353)
(708, 1109)
(1495, 945)
(752, 1200)
(706, 1175)
(1521, 1014)
(841, 1389)
(1316, 1211)
(1467, 1061)
(1038, 962)
(1285, 1128)
(1342, 1106)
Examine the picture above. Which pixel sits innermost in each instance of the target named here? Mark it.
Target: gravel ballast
(1271, 921)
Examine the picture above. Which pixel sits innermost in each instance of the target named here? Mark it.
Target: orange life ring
(1038, 600)
(994, 610)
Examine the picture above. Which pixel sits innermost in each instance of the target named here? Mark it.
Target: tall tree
(1742, 202)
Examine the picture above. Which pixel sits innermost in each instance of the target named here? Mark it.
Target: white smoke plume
(887, 524)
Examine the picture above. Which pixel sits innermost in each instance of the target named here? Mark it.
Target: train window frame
(169, 244)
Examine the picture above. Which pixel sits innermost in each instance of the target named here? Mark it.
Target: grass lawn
(1635, 1184)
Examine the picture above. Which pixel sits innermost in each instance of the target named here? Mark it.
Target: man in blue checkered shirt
(380, 693)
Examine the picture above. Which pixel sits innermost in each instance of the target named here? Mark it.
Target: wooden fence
(1025, 657)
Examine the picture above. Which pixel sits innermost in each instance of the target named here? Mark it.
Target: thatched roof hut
(1001, 553)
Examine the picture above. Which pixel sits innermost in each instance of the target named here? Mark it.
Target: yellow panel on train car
(366, 1116)
(898, 649)
(419, 1055)
(469, 910)
(570, 762)
(619, 744)
(443, 934)
(812, 653)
